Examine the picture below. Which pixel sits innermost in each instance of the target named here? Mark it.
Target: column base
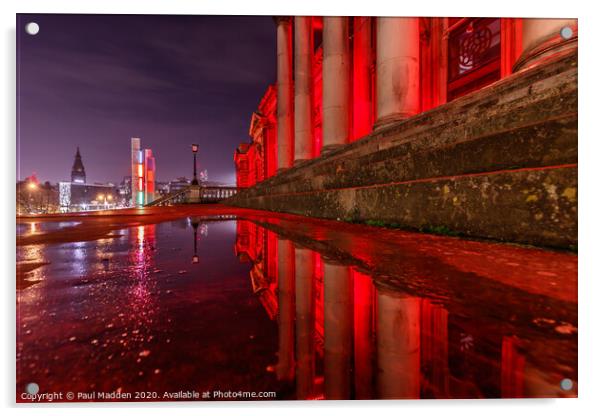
(330, 148)
(297, 162)
(281, 170)
(552, 45)
(391, 119)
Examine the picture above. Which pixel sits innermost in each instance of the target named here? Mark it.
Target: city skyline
(133, 81)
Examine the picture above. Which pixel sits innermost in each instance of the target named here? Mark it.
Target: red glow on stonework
(257, 160)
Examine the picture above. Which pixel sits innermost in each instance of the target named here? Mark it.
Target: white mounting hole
(566, 32)
(32, 28)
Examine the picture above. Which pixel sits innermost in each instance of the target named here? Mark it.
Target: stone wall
(499, 163)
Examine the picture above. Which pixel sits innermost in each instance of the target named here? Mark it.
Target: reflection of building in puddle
(342, 337)
(259, 247)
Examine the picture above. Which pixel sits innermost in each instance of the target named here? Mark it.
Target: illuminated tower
(137, 174)
(143, 175)
(78, 173)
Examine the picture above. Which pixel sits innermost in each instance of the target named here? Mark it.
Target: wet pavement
(217, 304)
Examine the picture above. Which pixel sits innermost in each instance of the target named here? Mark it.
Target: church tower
(78, 173)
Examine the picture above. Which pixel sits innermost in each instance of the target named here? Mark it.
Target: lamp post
(195, 225)
(195, 148)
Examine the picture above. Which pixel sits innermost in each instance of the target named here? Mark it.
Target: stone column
(336, 83)
(338, 331)
(398, 345)
(303, 83)
(397, 69)
(304, 283)
(545, 37)
(284, 111)
(285, 370)
(362, 77)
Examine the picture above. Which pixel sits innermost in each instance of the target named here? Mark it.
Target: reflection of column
(286, 310)
(303, 84)
(362, 78)
(338, 330)
(304, 268)
(513, 369)
(335, 74)
(434, 348)
(398, 345)
(542, 38)
(363, 317)
(397, 69)
(284, 102)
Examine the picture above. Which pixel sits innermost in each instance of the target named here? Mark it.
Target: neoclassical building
(342, 80)
(339, 78)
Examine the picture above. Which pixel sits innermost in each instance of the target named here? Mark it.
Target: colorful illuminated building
(143, 174)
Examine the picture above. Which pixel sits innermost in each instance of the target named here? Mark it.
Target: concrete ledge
(498, 163)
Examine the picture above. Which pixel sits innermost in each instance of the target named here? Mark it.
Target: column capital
(282, 20)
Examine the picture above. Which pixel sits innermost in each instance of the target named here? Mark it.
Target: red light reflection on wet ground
(300, 308)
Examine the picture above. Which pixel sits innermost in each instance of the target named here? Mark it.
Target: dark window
(474, 55)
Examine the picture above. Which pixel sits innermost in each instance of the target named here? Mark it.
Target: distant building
(178, 184)
(78, 195)
(143, 174)
(87, 197)
(34, 197)
(78, 173)
(161, 189)
(125, 191)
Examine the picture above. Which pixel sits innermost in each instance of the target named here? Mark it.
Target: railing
(195, 195)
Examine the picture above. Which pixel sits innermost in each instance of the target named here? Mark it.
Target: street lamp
(195, 225)
(195, 148)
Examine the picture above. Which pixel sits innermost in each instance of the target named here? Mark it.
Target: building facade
(143, 174)
(421, 123)
(78, 195)
(257, 160)
(342, 78)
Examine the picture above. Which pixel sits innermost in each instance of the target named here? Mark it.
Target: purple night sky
(94, 81)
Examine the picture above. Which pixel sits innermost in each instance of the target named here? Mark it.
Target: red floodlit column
(398, 345)
(363, 318)
(303, 85)
(271, 150)
(286, 310)
(397, 69)
(511, 44)
(542, 38)
(362, 77)
(338, 330)
(285, 93)
(336, 70)
(304, 284)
